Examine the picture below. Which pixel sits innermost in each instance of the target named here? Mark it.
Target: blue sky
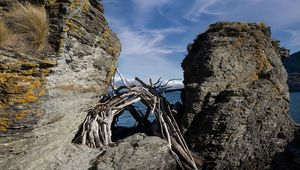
(154, 33)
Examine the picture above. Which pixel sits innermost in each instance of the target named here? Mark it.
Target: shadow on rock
(289, 159)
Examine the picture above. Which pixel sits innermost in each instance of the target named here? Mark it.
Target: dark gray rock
(236, 97)
(290, 158)
(136, 152)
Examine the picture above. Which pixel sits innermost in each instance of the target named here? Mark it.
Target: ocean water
(295, 106)
(126, 120)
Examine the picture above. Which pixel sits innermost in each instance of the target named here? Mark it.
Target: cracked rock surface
(136, 152)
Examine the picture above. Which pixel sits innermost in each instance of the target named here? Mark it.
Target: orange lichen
(4, 122)
(263, 64)
(21, 82)
(71, 26)
(110, 45)
(83, 5)
(21, 115)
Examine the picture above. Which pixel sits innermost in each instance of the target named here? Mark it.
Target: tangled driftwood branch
(95, 131)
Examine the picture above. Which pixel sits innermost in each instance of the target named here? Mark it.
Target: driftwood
(95, 131)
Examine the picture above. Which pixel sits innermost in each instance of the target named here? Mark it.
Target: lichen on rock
(22, 84)
(43, 98)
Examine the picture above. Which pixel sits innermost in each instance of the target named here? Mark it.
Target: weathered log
(95, 131)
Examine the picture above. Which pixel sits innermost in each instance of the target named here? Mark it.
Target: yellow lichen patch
(21, 84)
(4, 123)
(71, 26)
(86, 5)
(254, 76)
(51, 2)
(21, 115)
(263, 64)
(74, 4)
(83, 5)
(61, 44)
(26, 88)
(109, 44)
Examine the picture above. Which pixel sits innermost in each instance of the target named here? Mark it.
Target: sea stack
(236, 97)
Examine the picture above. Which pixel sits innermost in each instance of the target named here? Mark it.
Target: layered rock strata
(44, 97)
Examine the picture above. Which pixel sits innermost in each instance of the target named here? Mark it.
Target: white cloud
(148, 42)
(200, 7)
(295, 38)
(282, 16)
(144, 51)
(278, 13)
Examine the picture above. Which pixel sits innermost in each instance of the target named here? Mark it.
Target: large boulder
(236, 97)
(44, 97)
(136, 152)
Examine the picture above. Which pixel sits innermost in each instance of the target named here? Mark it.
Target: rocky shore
(235, 102)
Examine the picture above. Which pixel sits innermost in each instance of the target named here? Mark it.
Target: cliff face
(43, 98)
(236, 97)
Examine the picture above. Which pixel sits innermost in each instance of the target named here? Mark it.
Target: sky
(155, 33)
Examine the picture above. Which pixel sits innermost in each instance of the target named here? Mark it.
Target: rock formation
(236, 97)
(43, 97)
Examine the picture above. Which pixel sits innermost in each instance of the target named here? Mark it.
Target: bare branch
(122, 78)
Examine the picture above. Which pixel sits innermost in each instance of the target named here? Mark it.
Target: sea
(295, 106)
(126, 120)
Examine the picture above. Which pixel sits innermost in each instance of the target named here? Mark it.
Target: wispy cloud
(147, 5)
(154, 33)
(200, 7)
(146, 50)
(295, 38)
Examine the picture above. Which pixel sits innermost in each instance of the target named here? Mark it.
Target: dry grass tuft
(30, 24)
(4, 33)
(262, 25)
